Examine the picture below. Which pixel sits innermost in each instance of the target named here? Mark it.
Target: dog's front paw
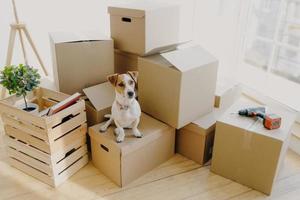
(137, 133)
(103, 129)
(120, 138)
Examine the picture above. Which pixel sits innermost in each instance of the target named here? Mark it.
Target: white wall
(46, 16)
(215, 25)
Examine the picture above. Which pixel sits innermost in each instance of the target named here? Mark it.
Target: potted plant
(20, 80)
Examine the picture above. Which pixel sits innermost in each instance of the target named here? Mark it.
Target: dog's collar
(122, 107)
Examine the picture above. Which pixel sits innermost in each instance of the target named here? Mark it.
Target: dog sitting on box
(126, 110)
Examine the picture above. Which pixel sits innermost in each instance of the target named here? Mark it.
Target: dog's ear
(113, 79)
(134, 75)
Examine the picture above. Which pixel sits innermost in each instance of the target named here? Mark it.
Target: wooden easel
(21, 29)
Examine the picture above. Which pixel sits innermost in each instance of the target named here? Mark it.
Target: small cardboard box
(126, 161)
(125, 62)
(148, 27)
(101, 98)
(227, 94)
(246, 152)
(195, 140)
(178, 87)
(80, 60)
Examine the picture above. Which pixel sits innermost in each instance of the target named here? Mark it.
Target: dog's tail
(107, 116)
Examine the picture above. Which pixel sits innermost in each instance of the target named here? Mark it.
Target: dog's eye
(121, 85)
(131, 82)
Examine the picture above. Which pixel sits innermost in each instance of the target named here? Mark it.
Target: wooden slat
(48, 102)
(29, 139)
(22, 115)
(59, 155)
(27, 149)
(69, 160)
(58, 96)
(72, 110)
(67, 126)
(46, 168)
(68, 139)
(72, 170)
(31, 171)
(30, 129)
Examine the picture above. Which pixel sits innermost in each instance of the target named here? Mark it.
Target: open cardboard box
(80, 60)
(226, 94)
(148, 27)
(100, 99)
(246, 152)
(178, 87)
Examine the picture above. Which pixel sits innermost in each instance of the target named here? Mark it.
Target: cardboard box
(227, 94)
(80, 60)
(125, 62)
(248, 153)
(295, 139)
(178, 87)
(148, 27)
(101, 98)
(195, 140)
(126, 161)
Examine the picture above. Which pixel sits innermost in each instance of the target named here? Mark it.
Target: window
(271, 50)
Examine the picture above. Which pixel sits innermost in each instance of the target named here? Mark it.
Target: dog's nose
(130, 94)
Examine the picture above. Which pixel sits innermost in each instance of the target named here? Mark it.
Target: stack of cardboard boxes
(177, 93)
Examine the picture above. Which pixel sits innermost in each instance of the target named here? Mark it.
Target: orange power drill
(270, 121)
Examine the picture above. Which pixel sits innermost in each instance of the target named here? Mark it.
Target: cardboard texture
(246, 152)
(101, 98)
(126, 161)
(80, 60)
(178, 87)
(125, 62)
(227, 94)
(149, 27)
(195, 140)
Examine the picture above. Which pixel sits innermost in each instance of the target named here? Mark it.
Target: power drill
(270, 121)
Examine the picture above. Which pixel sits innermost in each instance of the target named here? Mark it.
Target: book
(64, 104)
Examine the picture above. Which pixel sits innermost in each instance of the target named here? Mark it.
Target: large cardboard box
(178, 87)
(126, 161)
(148, 27)
(227, 94)
(246, 152)
(195, 140)
(125, 62)
(100, 99)
(80, 60)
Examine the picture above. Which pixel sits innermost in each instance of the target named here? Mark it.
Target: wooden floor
(178, 178)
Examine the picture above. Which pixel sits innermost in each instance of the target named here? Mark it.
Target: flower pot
(31, 108)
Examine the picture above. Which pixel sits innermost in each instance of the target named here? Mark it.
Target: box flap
(189, 58)
(135, 9)
(256, 125)
(206, 121)
(101, 96)
(67, 37)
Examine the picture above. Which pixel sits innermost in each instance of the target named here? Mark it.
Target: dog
(125, 111)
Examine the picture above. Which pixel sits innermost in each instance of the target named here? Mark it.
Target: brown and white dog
(125, 111)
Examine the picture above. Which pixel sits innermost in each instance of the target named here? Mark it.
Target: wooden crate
(49, 148)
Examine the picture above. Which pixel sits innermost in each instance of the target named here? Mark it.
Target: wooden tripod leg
(23, 47)
(35, 50)
(11, 44)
